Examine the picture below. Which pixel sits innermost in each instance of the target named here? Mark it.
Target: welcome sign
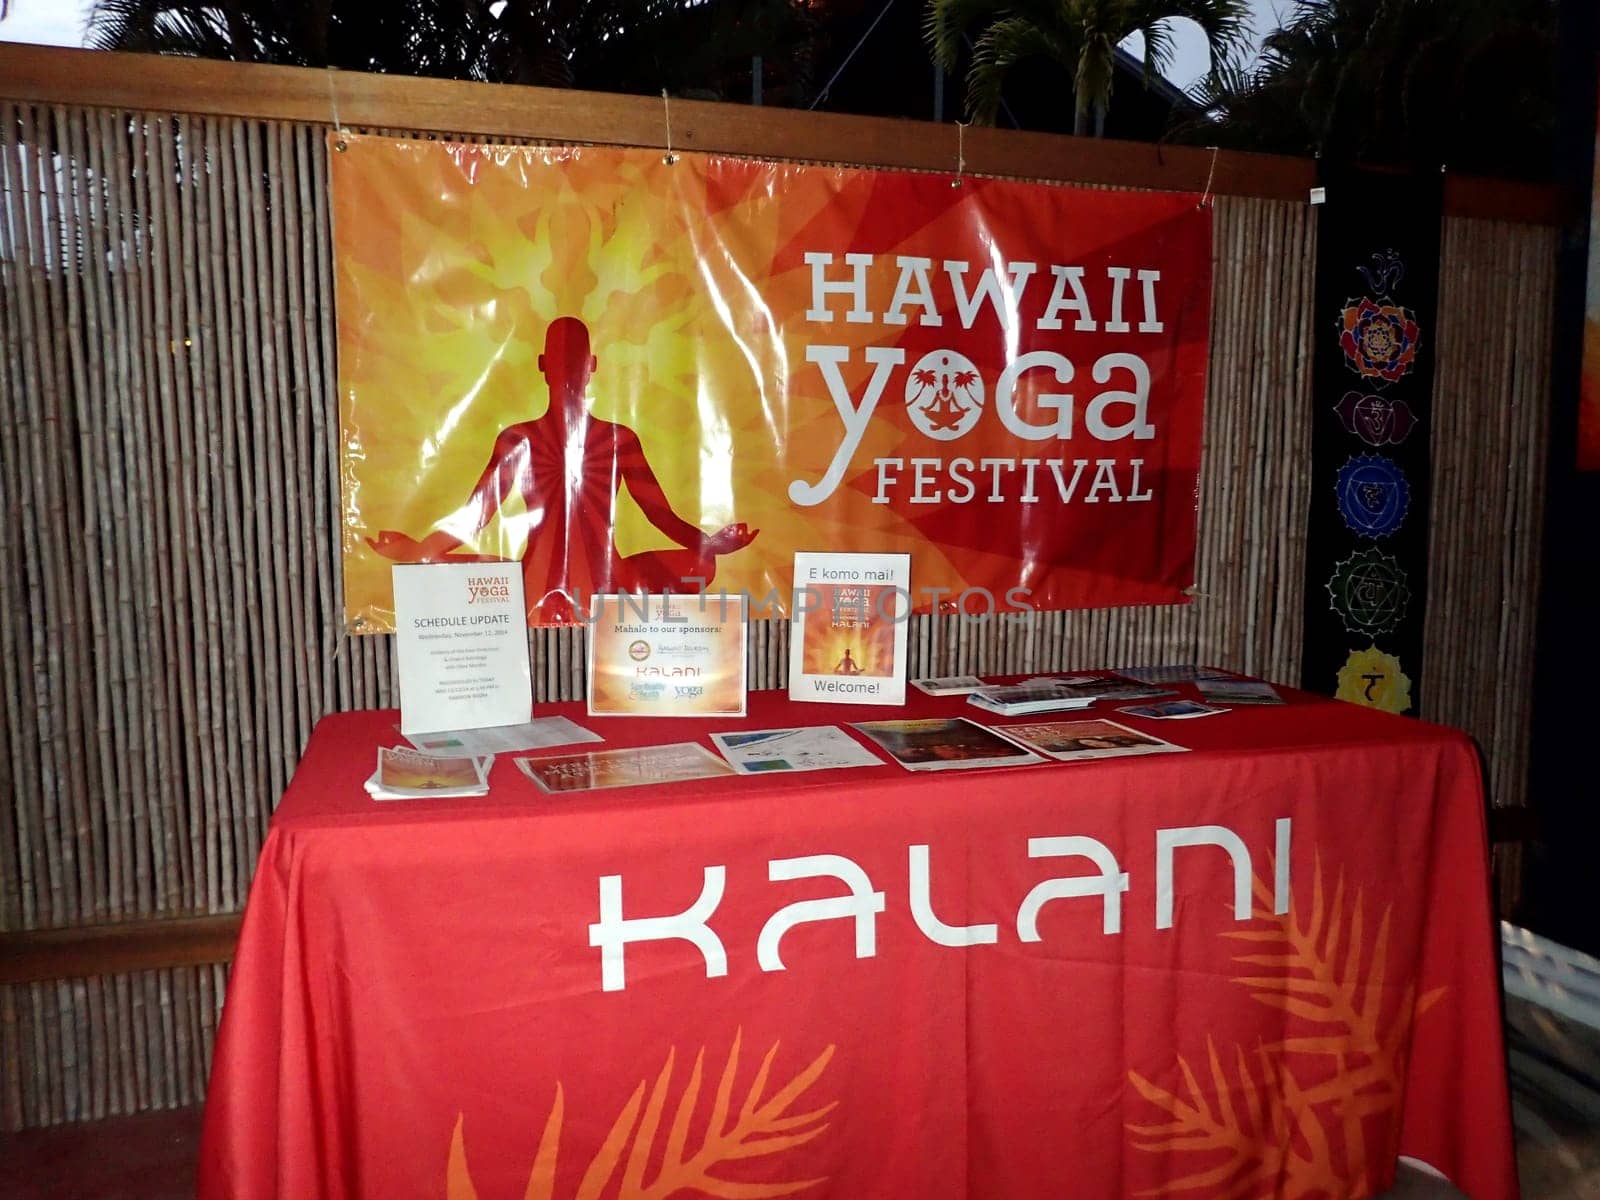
(631, 374)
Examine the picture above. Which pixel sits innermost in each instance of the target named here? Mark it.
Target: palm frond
(1003, 44)
(947, 24)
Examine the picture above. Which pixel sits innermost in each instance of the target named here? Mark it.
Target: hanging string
(961, 152)
(333, 105)
(666, 112)
(1211, 173)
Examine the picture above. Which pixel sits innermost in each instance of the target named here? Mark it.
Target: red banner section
(629, 374)
(1190, 974)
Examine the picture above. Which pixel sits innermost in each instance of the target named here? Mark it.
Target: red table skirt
(1262, 968)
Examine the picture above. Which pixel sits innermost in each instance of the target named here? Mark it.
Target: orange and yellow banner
(631, 374)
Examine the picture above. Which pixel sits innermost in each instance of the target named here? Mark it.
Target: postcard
(630, 767)
(1070, 741)
(1171, 710)
(847, 640)
(948, 685)
(808, 748)
(667, 656)
(945, 744)
(536, 734)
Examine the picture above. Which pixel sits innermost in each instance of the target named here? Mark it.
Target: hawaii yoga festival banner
(630, 373)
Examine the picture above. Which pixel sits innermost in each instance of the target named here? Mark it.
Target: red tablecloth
(418, 1004)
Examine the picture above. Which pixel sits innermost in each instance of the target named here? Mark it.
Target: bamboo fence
(169, 567)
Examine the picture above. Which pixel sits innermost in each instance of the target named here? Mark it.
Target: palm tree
(1470, 84)
(1080, 35)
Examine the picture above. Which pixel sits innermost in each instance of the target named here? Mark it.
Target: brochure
(1239, 691)
(461, 638)
(945, 744)
(503, 739)
(847, 640)
(1070, 741)
(667, 656)
(809, 748)
(405, 774)
(1187, 673)
(630, 767)
(1171, 710)
(1056, 695)
(948, 685)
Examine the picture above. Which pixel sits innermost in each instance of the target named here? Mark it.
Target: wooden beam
(40, 955)
(142, 82)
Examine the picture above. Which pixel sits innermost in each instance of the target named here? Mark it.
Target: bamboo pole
(42, 805)
(18, 899)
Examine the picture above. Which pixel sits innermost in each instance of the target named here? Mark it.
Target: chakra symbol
(1373, 678)
(1377, 421)
(944, 395)
(1373, 495)
(1385, 273)
(1379, 340)
(1368, 590)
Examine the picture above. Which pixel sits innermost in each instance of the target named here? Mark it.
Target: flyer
(847, 639)
(809, 748)
(462, 646)
(536, 734)
(945, 744)
(1070, 741)
(667, 656)
(630, 767)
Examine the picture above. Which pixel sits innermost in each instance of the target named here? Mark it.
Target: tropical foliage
(1465, 84)
(1081, 36)
(689, 46)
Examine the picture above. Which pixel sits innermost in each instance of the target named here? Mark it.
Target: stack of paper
(1238, 691)
(949, 685)
(1181, 673)
(404, 774)
(1056, 695)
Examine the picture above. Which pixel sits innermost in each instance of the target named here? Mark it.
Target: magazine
(1072, 741)
(945, 744)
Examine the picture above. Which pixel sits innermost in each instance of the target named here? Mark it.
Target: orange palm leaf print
(1289, 1120)
(761, 1126)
